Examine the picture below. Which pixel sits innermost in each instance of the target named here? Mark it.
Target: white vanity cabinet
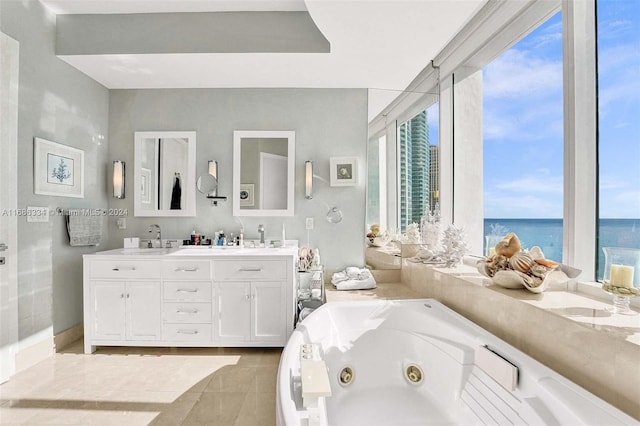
(122, 302)
(165, 300)
(252, 301)
(187, 313)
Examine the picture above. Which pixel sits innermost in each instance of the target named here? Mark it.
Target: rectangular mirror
(165, 174)
(263, 172)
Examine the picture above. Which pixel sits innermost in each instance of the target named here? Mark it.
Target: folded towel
(338, 277)
(365, 284)
(84, 230)
(355, 273)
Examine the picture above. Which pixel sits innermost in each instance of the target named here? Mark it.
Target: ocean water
(547, 234)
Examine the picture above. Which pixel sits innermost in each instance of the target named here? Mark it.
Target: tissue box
(132, 242)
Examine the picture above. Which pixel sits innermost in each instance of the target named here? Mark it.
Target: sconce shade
(308, 179)
(213, 168)
(118, 179)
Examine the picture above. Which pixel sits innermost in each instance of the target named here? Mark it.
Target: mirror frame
(189, 187)
(290, 135)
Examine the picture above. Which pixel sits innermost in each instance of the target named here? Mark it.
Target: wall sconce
(308, 179)
(118, 179)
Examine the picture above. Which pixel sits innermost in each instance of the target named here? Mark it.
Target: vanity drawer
(186, 269)
(124, 269)
(193, 333)
(250, 270)
(185, 312)
(193, 291)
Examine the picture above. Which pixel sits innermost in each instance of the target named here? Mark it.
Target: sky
(523, 120)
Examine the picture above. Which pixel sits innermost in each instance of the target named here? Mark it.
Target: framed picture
(246, 194)
(145, 185)
(57, 169)
(344, 171)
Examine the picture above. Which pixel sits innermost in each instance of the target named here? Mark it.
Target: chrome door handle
(133, 268)
(186, 269)
(187, 290)
(250, 269)
(188, 331)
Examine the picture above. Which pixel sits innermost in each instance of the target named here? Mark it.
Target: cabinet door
(268, 312)
(108, 299)
(144, 318)
(233, 312)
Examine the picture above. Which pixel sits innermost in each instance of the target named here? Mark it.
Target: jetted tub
(416, 362)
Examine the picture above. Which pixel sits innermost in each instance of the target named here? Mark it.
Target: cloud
(519, 74)
(534, 184)
(522, 206)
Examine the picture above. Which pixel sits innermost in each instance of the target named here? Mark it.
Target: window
(618, 46)
(418, 167)
(523, 141)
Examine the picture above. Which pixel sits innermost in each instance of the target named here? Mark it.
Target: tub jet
(414, 374)
(346, 376)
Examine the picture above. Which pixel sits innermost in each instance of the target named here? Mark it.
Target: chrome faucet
(158, 235)
(261, 231)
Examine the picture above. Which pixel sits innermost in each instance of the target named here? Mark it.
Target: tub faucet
(158, 235)
(261, 231)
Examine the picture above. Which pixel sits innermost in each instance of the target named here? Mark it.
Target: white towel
(355, 273)
(84, 230)
(363, 279)
(365, 284)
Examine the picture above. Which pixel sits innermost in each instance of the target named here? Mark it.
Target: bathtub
(416, 362)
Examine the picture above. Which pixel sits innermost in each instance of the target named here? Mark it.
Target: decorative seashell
(508, 279)
(521, 261)
(536, 252)
(509, 245)
(555, 277)
(483, 268)
(547, 263)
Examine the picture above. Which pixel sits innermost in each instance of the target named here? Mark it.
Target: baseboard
(65, 338)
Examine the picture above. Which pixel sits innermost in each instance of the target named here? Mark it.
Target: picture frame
(145, 185)
(343, 171)
(246, 194)
(58, 169)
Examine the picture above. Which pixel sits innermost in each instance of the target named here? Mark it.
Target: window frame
(496, 27)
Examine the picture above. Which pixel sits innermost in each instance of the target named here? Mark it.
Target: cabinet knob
(121, 295)
(247, 296)
(128, 295)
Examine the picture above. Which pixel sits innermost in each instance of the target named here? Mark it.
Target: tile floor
(141, 386)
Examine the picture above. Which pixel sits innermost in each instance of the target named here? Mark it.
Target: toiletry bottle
(193, 236)
(221, 238)
(241, 238)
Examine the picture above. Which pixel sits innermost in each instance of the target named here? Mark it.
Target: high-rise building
(434, 175)
(415, 169)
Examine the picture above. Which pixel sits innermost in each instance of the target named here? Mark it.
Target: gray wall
(58, 103)
(327, 122)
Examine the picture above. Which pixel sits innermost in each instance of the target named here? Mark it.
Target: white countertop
(290, 249)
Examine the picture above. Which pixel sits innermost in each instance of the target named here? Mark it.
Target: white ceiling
(380, 45)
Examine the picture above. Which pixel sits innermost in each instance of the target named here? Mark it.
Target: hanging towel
(84, 230)
(176, 194)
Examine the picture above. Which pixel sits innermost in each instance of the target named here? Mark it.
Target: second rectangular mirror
(263, 172)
